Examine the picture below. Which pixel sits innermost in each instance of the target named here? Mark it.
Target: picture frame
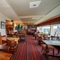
(2, 25)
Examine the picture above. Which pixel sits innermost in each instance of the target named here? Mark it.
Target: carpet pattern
(29, 50)
(49, 57)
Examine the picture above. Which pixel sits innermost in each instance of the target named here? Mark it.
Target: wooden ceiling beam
(55, 20)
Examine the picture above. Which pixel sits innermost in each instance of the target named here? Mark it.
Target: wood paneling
(55, 20)
(0, 39)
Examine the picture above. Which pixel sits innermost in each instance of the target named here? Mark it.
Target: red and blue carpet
(29, 50)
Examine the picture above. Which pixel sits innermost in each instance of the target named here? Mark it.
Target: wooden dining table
(54, 43)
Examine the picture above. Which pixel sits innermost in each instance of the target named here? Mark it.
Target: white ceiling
(19, 9)
(7, 10)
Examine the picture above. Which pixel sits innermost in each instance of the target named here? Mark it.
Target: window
(56, 29)
(46, 29)
(39, 29)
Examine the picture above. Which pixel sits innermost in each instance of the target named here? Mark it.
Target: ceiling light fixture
(34, 4)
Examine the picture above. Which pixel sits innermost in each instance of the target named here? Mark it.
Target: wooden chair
(22, 37)
(58, 38)
(40, 40)
(46, 37)
(12, 45)
(35, 35)
(47, 48)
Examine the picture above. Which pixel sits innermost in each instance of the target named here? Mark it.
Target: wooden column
(0, 39)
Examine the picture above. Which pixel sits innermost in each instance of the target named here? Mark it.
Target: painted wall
(3, 18)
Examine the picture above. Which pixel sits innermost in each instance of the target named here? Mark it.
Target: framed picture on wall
(2, 25)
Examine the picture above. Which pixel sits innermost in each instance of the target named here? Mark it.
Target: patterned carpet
(29, 50)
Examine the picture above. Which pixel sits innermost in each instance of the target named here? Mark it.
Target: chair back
(12, 43)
